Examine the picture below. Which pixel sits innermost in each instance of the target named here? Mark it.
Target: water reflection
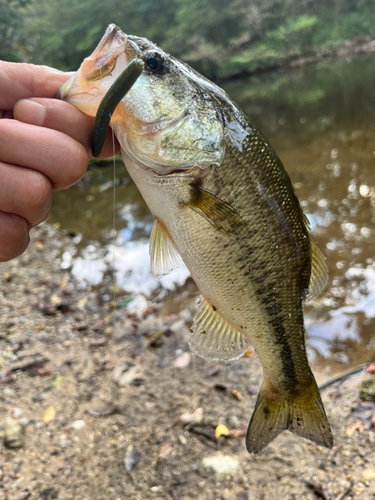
(321, 121)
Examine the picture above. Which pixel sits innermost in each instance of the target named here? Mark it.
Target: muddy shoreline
(108, 403)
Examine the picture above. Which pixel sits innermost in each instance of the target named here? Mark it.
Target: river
(320, 119)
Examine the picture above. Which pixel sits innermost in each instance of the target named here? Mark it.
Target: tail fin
(304, 415)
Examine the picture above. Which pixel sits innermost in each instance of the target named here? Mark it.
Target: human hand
(44, 146)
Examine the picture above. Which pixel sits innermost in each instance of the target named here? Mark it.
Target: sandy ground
(95, 403)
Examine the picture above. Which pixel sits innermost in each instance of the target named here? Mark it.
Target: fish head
(168, 121)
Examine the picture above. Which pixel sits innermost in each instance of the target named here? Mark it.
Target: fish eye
(154, 61)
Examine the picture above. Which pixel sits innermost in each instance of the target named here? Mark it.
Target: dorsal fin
(213, 338)
(319, 270)
(163, 253)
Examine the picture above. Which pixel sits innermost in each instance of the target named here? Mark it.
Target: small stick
(319, 490)
(343, 376)
(110, 101)
(344, 493)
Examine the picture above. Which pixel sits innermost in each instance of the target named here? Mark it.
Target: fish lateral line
(110, 101)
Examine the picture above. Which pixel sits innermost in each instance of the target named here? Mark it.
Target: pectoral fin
(319, 271)
(163, 253)
(214, 209)
(213, 338)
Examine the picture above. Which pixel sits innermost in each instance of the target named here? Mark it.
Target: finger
(21, 81)
(14, 239)
(64, 117)
(59, 157)
(25, 192)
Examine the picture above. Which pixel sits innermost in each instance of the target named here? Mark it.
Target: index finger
(21, 81)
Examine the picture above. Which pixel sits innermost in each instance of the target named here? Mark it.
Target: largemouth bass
(223, 203)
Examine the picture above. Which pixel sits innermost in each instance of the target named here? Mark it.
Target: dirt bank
(97, 398)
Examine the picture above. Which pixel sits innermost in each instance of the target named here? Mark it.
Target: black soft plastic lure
(110, 101)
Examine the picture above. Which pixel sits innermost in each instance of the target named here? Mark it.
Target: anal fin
(214, 338)
(163, 253)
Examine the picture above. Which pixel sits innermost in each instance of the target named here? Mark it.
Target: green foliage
(12, 38)
(220, 38)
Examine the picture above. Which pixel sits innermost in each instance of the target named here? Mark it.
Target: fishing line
(114, 220)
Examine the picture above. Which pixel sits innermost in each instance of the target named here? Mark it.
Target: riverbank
(99, 402)
(247, 65)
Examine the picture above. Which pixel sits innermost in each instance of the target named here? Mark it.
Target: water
(321, 121)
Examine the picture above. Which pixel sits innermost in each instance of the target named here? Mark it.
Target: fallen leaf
(49, 415)
(55, 300)
(192, 418)
(352, 428)
(132, 457)
(214, 371)
(99, 325)
(371, 369)
(237, 433)
(249, 353)
(43, 372)
(129, 376)
(81, 304)
(221, 430)
(104, 411)
(58, 381)
(98, 342)
(165, 450)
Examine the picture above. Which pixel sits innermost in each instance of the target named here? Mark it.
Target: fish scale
(224, 204)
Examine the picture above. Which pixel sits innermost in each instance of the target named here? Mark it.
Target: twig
(319, 490)
(207, 435)
(344, 493)
(343, 376)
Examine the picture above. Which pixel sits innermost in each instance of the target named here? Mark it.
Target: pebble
(221, 464)
(132, 457)
(14, 434)
(78, 424)
(17, 412)
(367, 389)
(368, 475)
(183, 360)
(63, 443)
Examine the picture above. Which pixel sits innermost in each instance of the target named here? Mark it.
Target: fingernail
(28, 111)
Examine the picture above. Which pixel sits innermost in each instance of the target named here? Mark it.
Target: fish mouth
(103, 59)
(100, 64)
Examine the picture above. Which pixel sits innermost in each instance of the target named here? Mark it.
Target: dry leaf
(165, 450)
(237, 433)
(249, 353)
(132, 457)
(352, 428)
(221, 430)
(192, 418)
(49, 415)
(237, 395)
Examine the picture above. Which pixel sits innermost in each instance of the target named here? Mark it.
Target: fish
(224, 204)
